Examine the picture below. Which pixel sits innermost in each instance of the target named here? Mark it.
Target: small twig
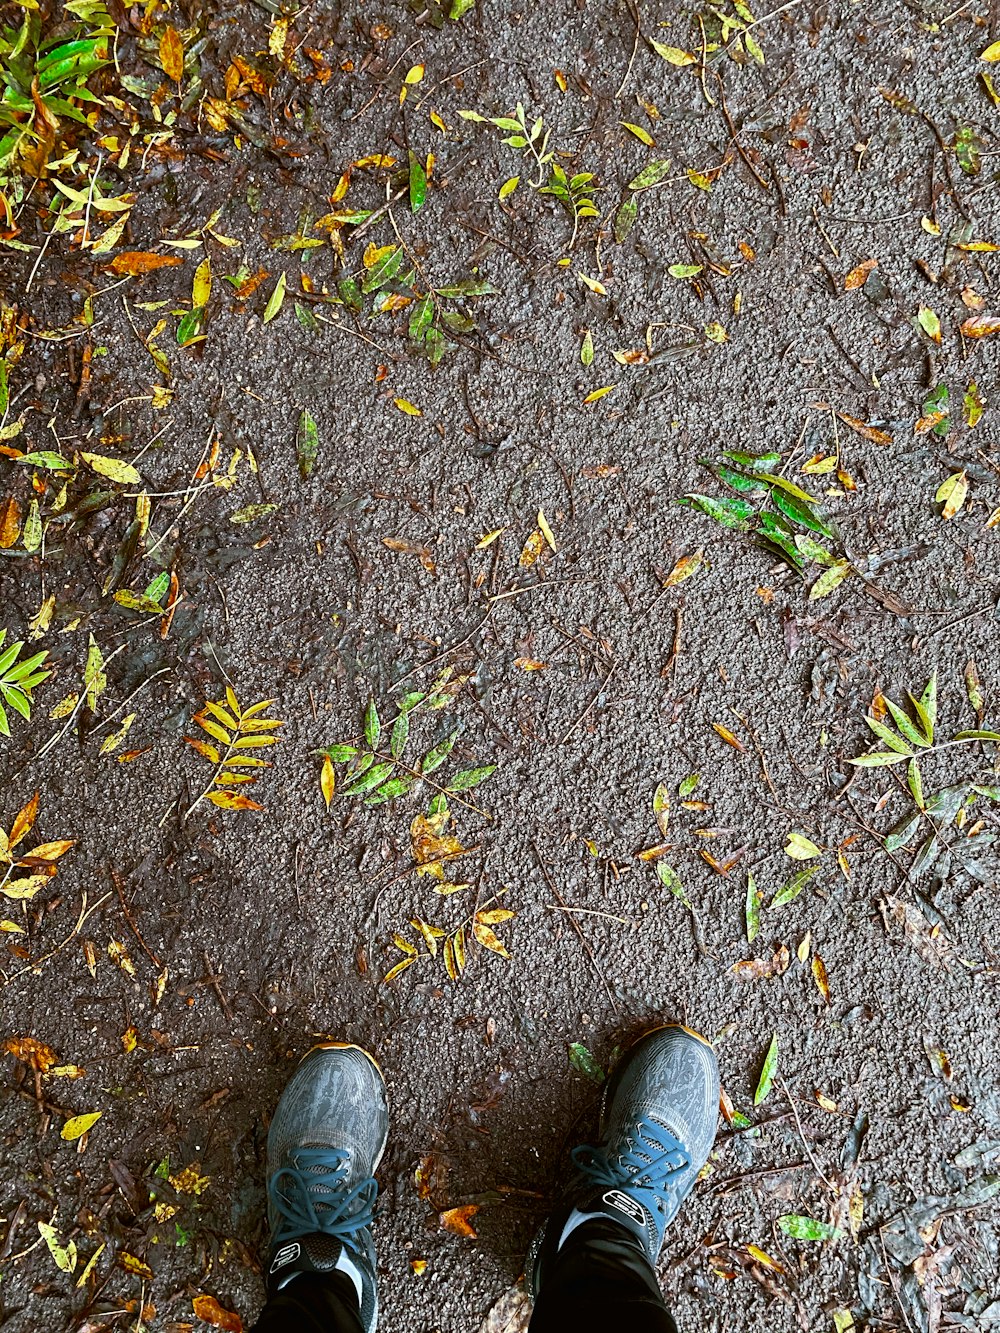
(597, 694)
(584, 942)
(805, 1143)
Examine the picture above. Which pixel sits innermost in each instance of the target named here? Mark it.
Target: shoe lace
(644, 1164)
(312, 1195)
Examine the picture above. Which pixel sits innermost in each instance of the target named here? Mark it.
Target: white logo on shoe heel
(286, 1255)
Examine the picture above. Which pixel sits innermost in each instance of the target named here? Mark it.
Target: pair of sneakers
(658, 1120)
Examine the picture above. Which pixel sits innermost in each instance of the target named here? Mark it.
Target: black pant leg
(313, 1303)
(601, 1280)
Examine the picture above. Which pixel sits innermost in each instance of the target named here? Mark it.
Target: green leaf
(902, 833)
(877, 759)
(791, 889)
(418, 183)
(471, 777)
(306, 444)
(191, 326)
(400, 735)
(625, 218)
(754, 898)
(807, 1228)
(906, 727)
(276, 299)
(252, 513)
(768, 1072)
(830, 579)
(729, 511)
(801, 512)
(688, 785)
(45, 458)
(389, 791)
(978, 736)
(372, 778)
(340, 754)
(435, 758)
(582, 1060)
(670, 879)
(587, 349)
(650, 175)
(372, 725)
(158, 586)
(134, 601)
(888, 735)
(383, 271)
(915, 784)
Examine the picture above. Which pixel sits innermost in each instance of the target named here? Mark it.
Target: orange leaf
(456, 1220)
(859, 276)
(208, 1309)
(172, 53)
(819, 972)
(135, 262)
(32, 1052)
(728, 737)
(24, 821)
(10, 523)
(869, 432)
(980, 326)
(232, 800)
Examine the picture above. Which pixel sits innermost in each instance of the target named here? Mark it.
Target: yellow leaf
(674, 55)
(406, 406)
(546, 531)
(596, 394)
(231, 800)
(952, 493)
(414, 74)
(172, 53)
(327, 780)
(78, 1125)
(401, 966)
(508, 187)
(113, 468)
(684, 568)
(593, 284)
(697, 179)
(488, 939)
(532, 549)
(489, 538)
(642, 135)
(992, 52)
(202, 287)
(761, 1257)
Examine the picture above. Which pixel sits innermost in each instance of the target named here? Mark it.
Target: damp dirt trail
(187, 955)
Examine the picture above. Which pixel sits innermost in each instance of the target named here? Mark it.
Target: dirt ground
(583, 663)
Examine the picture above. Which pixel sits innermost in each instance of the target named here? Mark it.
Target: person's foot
(659, 1114)
(324, 1145)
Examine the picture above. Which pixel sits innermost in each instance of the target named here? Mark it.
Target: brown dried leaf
(209, 1311)
(456, 1220)
(871, 433)
(136, 262)
(980, 326)
(859, 276)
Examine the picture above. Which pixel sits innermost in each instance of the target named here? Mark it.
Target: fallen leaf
(172, 53)
(78, 1125)
(209, 1311)
(980, 326)
(859, 276)
(456, 1220)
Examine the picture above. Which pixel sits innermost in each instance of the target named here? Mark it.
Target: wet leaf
(78, 1125)
(63, 1255)
(582, 1061)
(172, 53)
(113, 468)
(820, 977)
(670, 879)
(790, 890)
(929, 322)
(952, 494)
(807, 1228)
(306, 444)
(458, 1220)
(685, 567)
(768, 1072)
(417, 183)
(209, 1311)
(651, 175)
(980, 326)
(641, 134)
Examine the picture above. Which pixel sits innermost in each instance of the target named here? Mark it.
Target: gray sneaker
(324, 1145)
(659, 1114)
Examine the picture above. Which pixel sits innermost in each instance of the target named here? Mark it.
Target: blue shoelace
(645, 1163)
(312, 1195)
